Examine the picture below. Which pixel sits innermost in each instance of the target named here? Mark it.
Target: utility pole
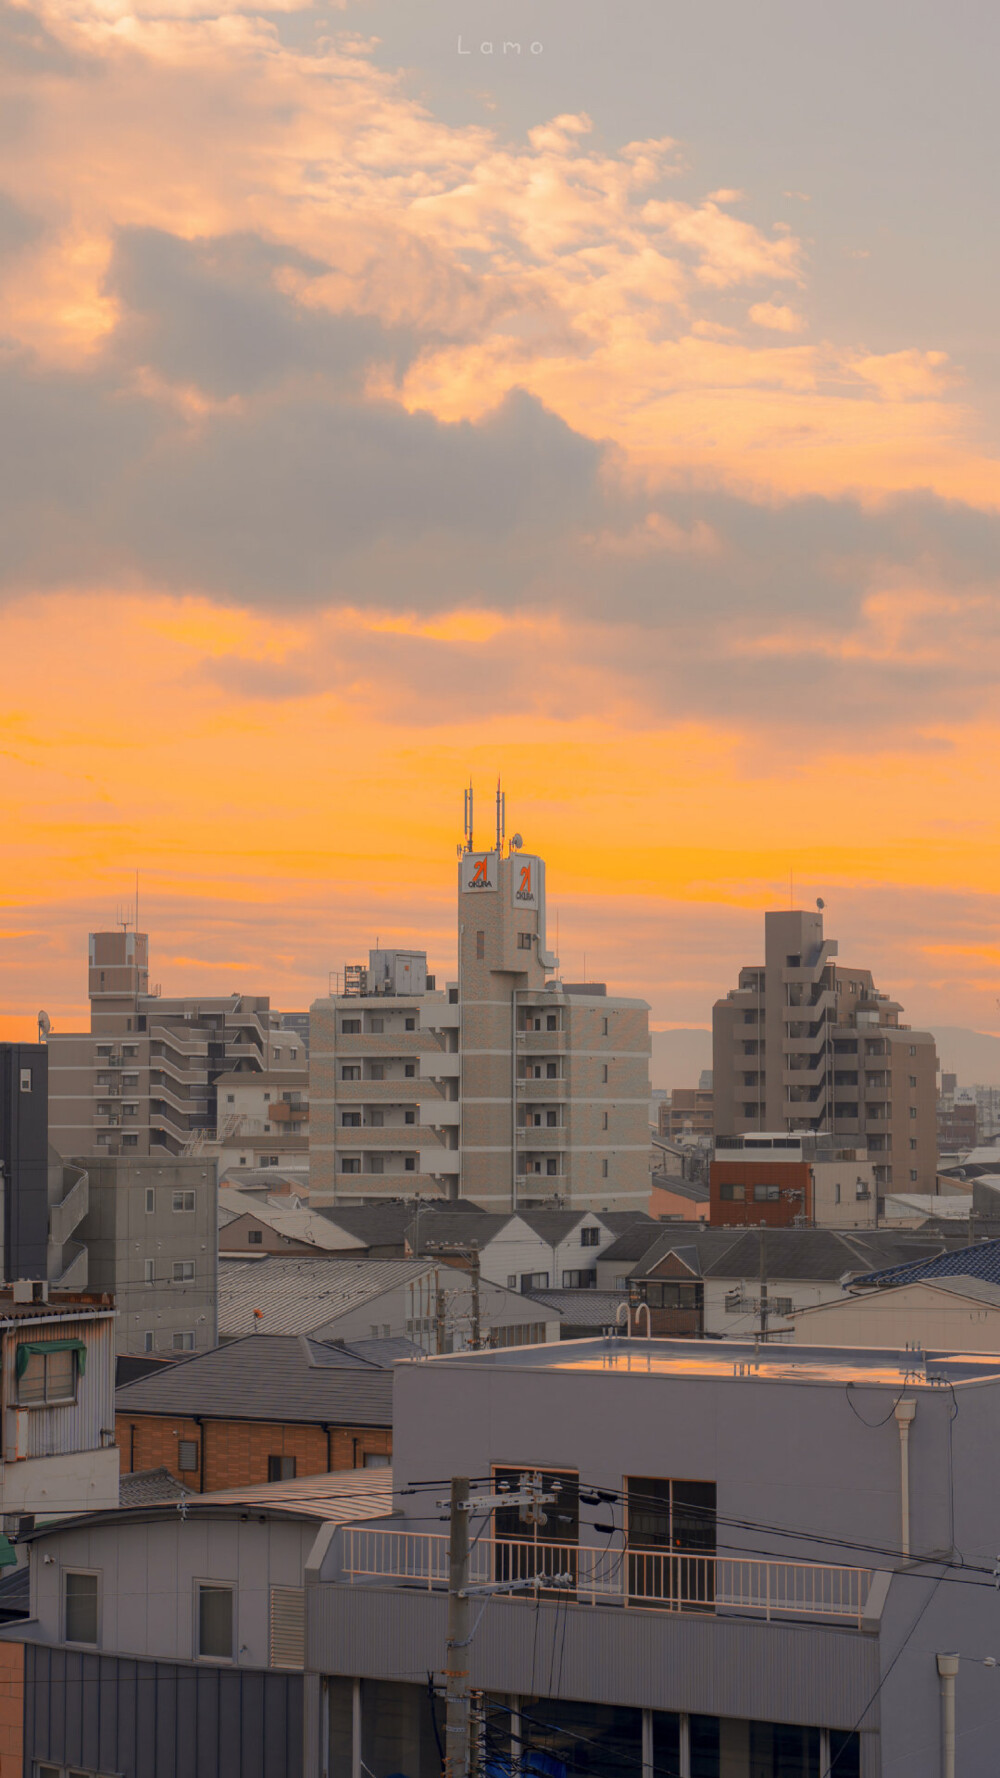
(763, 1283)
(471, 1253)
(457, 1719)
(439, 1319)
(474, 1267)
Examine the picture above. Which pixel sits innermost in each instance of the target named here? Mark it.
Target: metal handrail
(661, 1580)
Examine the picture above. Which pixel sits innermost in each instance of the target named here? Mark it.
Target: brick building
(270, 1407)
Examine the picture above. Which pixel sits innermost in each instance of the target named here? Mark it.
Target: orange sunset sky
(374, 415)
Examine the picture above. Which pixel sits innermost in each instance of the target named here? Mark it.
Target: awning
(27, 1348)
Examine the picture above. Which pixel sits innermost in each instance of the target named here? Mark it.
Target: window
(148, 1343)
(511, 1280)
(577, 1280)
(552, 1166)
(350, 1027)
(836, 1194)
(130, 1110)
(130, 1141)
(410, 1164)
(148, 1271)
(130, 1080)
(26, 1080)
(552, 1120)
(376, 1460)
(44, 1377)
(913, 1175)
(230, 1098)
(551, 1022)
(749, 1080)
(524, 941)
(913, 1142)
(590, 1237)
(215, 1622)
(376, 1026)
(183, 1201)
(187, 1455)
(351, 1120)
(732, 1194)
(409, 1024)
(376, 1119)
(79, 1607)
(281, 1469)
(604, 1027)
(183, 1272)
(351, 1071)
(913, 1049)
(534, 1281)
(410, 1070)
(552, 1071)
(604, 1169)
(766, 1194)
(376, 1163)
(267, 1098)
(913, 1080)
(277, 1055)
(129, 1049)
(255, 1237)
(183, 1342)
(350, 1164)
(604, 1073)
(480, 946)
(913, 1111)
(150, 1199)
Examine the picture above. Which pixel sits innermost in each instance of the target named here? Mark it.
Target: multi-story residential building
(151, 1234)
(44, 1199)
(143, 1080)
(526, 1092)
(57, 1355)
(534, 1250)
(689, 1111)
(958, 1118)
(807, 1043)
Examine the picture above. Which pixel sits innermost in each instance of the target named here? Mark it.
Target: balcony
(651, 1580)
(541, 1043)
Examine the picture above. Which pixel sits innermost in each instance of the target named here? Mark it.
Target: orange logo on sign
(525, 888)
(479, 875)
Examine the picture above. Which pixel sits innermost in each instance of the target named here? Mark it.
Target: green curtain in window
(28, 1347)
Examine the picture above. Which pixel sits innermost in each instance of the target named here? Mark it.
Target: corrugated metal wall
(160, 1719)
(650, 1660)
(58, 1431)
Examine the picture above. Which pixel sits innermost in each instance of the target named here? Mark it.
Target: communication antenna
(44, 1026)
(501, 818)
(516, 843)
(820, 903)
(467, 818)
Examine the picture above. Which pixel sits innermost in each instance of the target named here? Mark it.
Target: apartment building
(143, 1080)
(151, 1235)
(781, 1180)
(807, 1043)
(526, 1092)
(57, 1358)
(689, 1111)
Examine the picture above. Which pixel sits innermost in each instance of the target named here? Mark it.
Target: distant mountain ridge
(679, 1056)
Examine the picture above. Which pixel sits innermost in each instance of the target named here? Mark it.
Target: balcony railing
(648, 1579)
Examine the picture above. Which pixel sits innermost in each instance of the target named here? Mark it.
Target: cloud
(776, 316)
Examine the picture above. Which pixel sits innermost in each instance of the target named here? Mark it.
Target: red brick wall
(236, 1451)
(789, 1176)
(11, 1708)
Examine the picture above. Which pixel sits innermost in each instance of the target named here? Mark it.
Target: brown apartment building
(806, 1043)
(267, 1408)
(144, 1079)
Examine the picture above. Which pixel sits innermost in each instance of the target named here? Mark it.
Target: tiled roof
(306, 1226)
(340, 1498)
(582, 1308)
(276, 1377)
(981, 1260)
(144, 1487)
(789, 1253)
(299, 1294)
(383, 1225)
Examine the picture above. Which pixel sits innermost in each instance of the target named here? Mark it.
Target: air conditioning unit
(30, 1290)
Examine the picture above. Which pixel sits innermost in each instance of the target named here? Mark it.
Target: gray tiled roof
(582, 1308)
(790, 1253)
(981, 1260)
(278, 1377)
(384, 1225)
(144, 1487)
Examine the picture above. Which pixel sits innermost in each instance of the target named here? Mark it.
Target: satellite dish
(517, 842)
(820, 903)
(44, 1026)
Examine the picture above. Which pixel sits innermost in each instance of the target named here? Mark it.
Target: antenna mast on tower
(501, 819)
(467, 818)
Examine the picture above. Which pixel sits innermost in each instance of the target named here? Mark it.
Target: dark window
(281, 1469)
(409, 1117)
(410, 1164)
(529, 1556)
(552, 1071)
(590, 1237)
(409, 1024)
(480, 945)
(255, 1237)
(551, 1022)
(524, 941)
(187, 1455)
(46, 1377)
(732, 1194)
(534, 1280)
(351, 1027)
(410, 1071)
(215, 1623)
(671, 1536)
(351, 1120)
(350, 1165)
(80, 1607)
(766, 1194)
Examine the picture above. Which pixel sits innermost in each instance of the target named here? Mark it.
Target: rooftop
(341, 1498)
(276, 1377)
(306, 1226)
(980, 1260)
(60, 1305)
(296, 1294)
(743, 1360)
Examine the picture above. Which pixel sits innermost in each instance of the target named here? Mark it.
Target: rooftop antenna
(137, 898)
(467, 818)
(501, 818)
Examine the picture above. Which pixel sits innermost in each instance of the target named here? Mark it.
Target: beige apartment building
(143, 1080)
(807, 1043)
(509, 1087)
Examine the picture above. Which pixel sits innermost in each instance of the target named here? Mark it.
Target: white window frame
(228, 1586)
(64, 1572)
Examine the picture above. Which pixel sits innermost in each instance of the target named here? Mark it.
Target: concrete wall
(122, 1235)
(914, 1314)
